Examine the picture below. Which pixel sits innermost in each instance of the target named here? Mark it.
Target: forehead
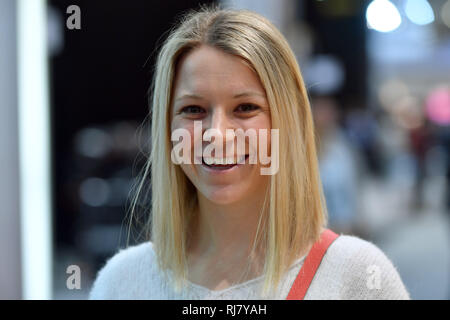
(210, 69)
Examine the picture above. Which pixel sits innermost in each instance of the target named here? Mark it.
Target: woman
(220, 228)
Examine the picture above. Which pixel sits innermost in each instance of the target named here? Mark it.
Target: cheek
(189, 172)
(184, 125)
(188, 126)
(258, 124)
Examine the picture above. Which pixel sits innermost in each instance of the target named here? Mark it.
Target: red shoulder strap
(311, 264)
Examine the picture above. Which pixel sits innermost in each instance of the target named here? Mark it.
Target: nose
(219, 121)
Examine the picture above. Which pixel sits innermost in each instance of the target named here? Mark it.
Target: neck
(227, 230)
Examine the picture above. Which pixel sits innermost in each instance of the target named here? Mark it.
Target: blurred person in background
(338, 165)
(421, 140)
(362, 129)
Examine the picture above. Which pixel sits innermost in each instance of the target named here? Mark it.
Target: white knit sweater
(352, 268)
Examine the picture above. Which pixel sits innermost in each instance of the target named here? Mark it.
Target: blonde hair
(296, 207)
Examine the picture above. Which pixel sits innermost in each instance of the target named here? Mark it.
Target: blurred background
(73, 129)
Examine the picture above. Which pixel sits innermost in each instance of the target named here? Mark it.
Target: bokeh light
(419, 11)
(383, 16)
(438, 106)
(94, 192)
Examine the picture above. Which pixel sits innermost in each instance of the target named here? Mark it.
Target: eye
(247, 108)
(193, 110)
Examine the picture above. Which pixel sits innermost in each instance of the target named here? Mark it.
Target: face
(221, 92)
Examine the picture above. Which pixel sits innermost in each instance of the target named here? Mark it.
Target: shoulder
(348, 246)
(361, 270)
(122, 272)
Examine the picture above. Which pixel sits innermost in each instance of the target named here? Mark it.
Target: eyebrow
(189, 95)
(239, 95)
(249, 93)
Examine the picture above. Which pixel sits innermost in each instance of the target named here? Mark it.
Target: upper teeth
(240, 160)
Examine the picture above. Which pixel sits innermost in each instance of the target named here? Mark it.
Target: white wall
(10, 254)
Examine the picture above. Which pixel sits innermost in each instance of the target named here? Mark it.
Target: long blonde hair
(295, 203)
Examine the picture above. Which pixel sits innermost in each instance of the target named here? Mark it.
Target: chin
(223, 195)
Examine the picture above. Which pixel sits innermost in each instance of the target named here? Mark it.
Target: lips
(223, 163)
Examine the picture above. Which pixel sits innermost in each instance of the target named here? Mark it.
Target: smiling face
(222, 92)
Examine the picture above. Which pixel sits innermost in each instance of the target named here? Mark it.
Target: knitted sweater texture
(352, 268)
